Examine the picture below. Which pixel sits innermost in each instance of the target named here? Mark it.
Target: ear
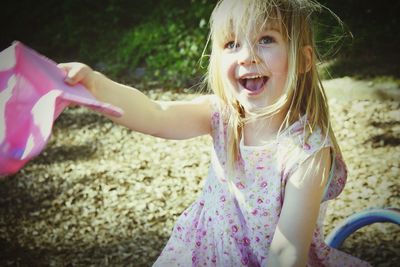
(308, 58)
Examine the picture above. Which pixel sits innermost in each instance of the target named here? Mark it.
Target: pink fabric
(32, 96)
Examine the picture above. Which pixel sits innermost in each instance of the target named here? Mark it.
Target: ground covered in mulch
(101, 195)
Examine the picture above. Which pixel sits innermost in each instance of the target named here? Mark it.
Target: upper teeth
(253, 77)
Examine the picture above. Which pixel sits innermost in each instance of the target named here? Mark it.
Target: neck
(260, 131)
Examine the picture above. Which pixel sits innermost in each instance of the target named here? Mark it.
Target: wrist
(92, 83)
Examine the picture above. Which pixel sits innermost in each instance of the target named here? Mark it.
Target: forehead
(244, 18)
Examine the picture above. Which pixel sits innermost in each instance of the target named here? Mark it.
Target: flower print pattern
(246, 241)
(307, 146)
(235, 228)
(240, 185)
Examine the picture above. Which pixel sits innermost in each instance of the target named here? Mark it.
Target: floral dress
(233, 221)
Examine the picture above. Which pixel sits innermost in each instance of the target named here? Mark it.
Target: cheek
(276, 61)
(228, 68)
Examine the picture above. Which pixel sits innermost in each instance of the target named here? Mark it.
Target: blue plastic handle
(356, 221)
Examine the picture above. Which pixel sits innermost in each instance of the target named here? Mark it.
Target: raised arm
(165, 119)
(298, 218)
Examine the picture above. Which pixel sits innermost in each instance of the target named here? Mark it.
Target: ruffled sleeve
(337, 179)
(299, 149)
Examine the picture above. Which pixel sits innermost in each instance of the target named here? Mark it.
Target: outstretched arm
(298, 218)
(166, 119)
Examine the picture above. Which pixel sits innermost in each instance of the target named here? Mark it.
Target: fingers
(76, 72)
(64, 66)
(74, 76)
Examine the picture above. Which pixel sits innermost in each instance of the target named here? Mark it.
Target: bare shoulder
(313, 172)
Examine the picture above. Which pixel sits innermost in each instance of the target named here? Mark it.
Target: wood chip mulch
(101, 195)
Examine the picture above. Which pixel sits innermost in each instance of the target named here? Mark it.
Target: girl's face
(255, 68)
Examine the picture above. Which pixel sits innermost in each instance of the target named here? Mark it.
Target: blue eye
(267, 40)
(231, 45)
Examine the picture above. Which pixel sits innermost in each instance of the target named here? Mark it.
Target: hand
(78, 73)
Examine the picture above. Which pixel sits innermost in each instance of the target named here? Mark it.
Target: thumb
(65, 67)
(73, 76)
(74, 73)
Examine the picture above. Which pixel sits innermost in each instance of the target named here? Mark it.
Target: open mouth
(253, 83)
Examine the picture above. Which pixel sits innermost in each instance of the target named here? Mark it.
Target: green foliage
(72, 30)
(166, 38)
(169, 44)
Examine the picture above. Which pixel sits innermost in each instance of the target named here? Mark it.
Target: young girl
(275, 157)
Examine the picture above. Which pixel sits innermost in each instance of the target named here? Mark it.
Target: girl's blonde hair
(304, 93)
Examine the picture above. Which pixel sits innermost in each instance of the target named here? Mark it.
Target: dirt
(101, 195)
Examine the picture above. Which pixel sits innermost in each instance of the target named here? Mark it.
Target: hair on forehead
(233, 18)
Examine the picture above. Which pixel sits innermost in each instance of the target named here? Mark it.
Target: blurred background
(101, 195)
(162, 40)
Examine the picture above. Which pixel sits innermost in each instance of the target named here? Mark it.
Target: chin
(250, 103)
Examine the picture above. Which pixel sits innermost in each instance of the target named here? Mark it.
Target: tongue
(254, 84)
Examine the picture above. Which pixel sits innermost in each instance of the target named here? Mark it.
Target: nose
(247, 56)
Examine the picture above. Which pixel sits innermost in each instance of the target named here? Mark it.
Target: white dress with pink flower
(232, 222)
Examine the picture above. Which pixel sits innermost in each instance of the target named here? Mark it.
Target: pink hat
(32, 95)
